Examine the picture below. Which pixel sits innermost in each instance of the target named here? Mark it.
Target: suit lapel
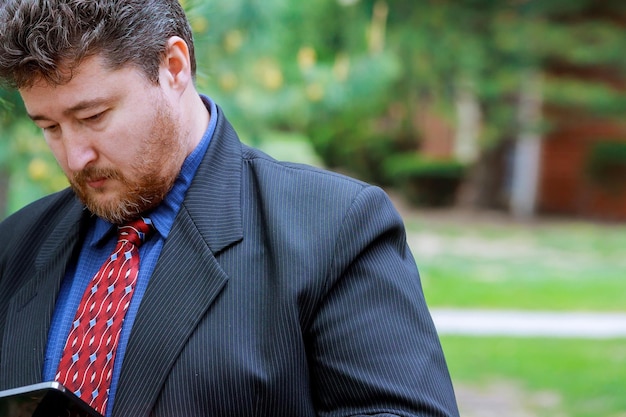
(187, 278)
(30, 310)
(185, 282)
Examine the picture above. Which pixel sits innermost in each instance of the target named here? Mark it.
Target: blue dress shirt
(100, 240)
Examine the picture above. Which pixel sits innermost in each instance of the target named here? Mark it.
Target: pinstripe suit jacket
(282, 290)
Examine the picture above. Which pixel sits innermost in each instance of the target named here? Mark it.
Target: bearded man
(184, 273)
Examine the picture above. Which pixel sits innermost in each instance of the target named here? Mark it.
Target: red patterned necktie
(87, 362)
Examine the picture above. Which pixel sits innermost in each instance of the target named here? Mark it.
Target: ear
(175, 69)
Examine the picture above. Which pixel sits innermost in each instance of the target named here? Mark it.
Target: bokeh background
(496, 126)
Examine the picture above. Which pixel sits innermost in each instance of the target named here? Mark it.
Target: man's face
(117, 137)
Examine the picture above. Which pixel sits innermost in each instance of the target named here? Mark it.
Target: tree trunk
(468, 115)
(527, 150)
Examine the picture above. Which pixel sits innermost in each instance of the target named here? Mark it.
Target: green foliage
(291, 66)
(30, 167)
(593, 97)
(606, 165)
(424, 180)
(343, 124)
(405, 166)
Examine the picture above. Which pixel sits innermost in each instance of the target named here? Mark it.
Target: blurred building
(583, 164)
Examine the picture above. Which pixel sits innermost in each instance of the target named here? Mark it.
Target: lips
(96, 183)
(95, 177)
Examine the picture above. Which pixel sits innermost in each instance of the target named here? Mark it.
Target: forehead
(91, 69)
(91, 80)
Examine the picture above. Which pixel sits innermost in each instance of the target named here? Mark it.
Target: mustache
(94, 173)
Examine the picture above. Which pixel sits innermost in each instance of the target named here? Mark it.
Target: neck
(197, 117)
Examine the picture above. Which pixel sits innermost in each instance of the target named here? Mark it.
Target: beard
(155, 171)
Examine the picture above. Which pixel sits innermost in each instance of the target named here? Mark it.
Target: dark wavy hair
(48, 39)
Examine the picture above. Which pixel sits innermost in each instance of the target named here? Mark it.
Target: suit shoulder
(297, 191)
(277, 172)
(37, 216)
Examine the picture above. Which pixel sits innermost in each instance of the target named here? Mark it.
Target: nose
(79, 149)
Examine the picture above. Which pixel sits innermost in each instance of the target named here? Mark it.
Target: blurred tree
(299, 66)
(474, 62)
(27, 168)
(360, 79)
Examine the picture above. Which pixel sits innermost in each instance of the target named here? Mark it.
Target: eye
(94, 118)
(50, 129)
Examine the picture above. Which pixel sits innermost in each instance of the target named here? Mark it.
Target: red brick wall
(564, 184)
(437, 133)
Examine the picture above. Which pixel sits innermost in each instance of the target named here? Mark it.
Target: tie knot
(135, 232)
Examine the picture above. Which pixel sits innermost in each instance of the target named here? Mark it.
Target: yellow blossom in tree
(341, 68)
(270, 74)
(199, 24)
(233, 41)
(37, 169)
(306, 57)
(228, 81)
(314, 92)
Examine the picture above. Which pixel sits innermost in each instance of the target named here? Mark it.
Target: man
(262, 289)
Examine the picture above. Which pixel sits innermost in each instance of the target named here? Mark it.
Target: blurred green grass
(553, 265)
(561, 265)
(586, 376)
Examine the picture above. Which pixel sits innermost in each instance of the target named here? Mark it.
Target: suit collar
(187, 278)
(214, 197)
(67, 232)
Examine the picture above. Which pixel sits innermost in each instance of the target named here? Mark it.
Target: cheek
(117, 147)
(58, 150)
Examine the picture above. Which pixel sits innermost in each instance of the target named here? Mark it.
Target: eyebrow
(81, 105)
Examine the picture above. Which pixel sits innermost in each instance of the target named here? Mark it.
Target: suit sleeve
(374, 348)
